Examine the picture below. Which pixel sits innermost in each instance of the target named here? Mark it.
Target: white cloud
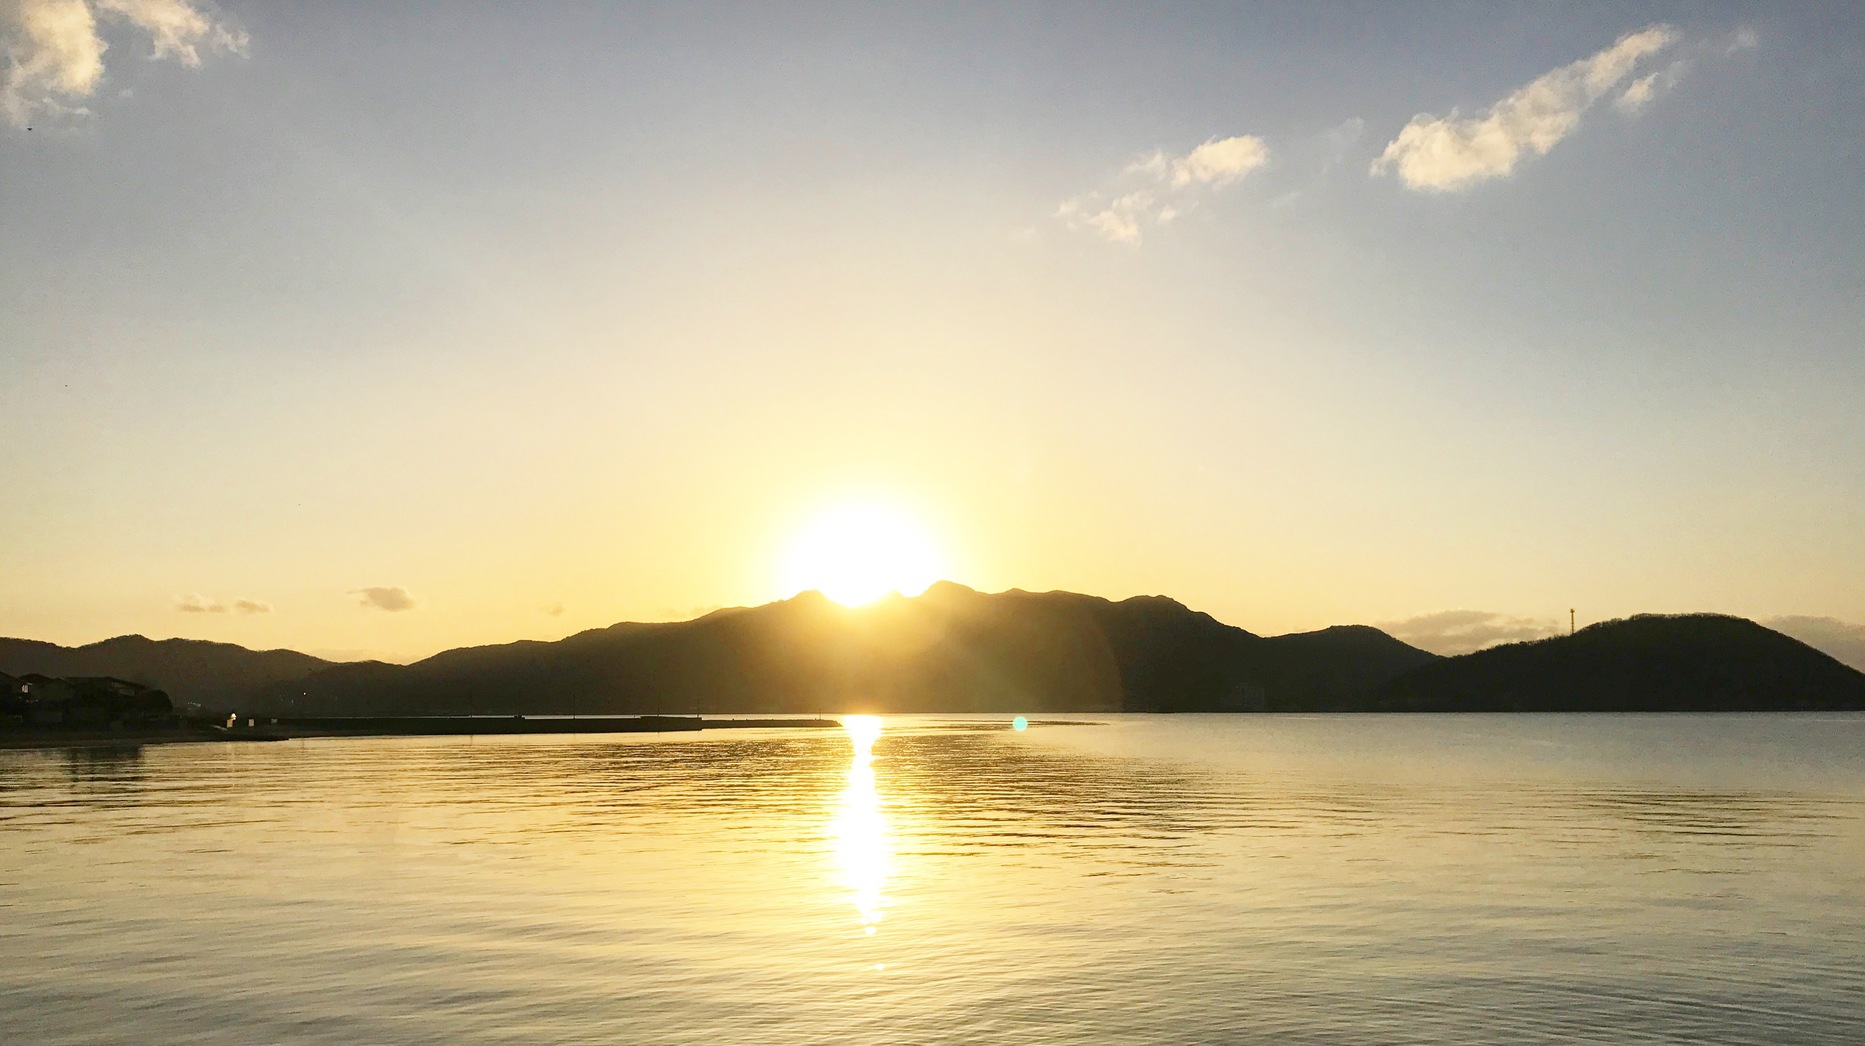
(1452, 632)
(1115, 225)
(1157, 188)
(1120, 220)
(1741, 40)
(1448, 153)
(54, 51)
(1220, 162)
(391, 598)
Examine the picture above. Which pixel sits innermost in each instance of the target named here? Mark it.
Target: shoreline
(397, 726)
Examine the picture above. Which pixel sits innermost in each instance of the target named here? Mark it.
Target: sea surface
(1135, 879)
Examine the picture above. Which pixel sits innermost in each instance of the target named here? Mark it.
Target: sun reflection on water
(863, 851)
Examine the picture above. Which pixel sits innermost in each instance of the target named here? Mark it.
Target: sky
(376, 329)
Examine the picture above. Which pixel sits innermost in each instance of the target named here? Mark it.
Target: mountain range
(216, 675)
(953, 649)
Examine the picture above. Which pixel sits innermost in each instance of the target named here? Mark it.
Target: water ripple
(1145, 880)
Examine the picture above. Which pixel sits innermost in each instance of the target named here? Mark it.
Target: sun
(858, 553)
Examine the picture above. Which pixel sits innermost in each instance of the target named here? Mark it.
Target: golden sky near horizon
(328, 330)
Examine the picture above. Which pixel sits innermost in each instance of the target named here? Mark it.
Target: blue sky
(551, 317)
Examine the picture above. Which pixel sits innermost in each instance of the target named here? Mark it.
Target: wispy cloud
(1446, 153)
(1316, 157)
(54, 50)
(1650, 86)
(1843, 640)
(552, 609)
(1341, 137)
(1159, 187)
(195, 603)
(1463, 631)
(1642, 90)
(1645, 89)
(390, 598)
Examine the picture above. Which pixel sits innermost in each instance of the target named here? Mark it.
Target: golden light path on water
(863, 850)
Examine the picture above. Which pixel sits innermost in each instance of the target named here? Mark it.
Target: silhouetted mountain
(949, 650)
(956, 650)
(213, 674)
(1650, 663)
(1337, 668)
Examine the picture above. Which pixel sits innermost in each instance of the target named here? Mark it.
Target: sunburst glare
(859, 553)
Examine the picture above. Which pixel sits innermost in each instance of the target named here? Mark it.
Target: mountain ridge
(948, 649)
(191, 670)
(954, 649)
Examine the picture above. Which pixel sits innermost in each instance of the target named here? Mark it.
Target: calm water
(1181, 879)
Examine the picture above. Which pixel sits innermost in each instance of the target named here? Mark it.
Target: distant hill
(213, 674)
(1336, 669)
(1650, 663)
(951, 649)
